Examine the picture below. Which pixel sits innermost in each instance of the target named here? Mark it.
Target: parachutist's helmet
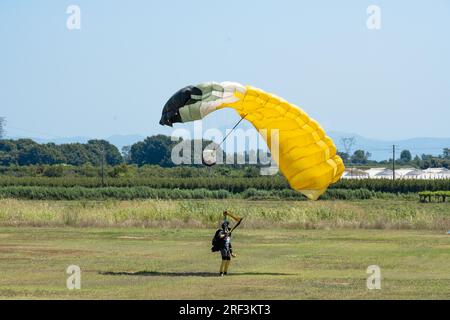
(225, 226)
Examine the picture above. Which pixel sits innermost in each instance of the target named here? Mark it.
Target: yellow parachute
(306, 156)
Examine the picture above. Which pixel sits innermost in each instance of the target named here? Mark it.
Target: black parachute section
(170, 113)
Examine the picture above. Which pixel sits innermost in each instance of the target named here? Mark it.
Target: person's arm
(231, 251)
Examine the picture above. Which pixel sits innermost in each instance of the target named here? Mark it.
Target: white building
(435, 173)
(374, 172)
(407, 173)
(354, 173)
(401, 173)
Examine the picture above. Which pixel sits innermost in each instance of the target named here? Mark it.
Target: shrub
(428, 196)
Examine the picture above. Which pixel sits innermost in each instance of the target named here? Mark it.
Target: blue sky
(114, 75)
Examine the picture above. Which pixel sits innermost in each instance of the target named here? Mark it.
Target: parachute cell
(307, 157)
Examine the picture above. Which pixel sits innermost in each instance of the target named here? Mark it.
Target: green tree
(98, 148)
(405, 156)
(122, 170)
(360, 157)
(54, 171)
(75, 154)
(30, 152)
(446, 153)
(153, 150)
(417, 161)
(344, 156)
(8, 153)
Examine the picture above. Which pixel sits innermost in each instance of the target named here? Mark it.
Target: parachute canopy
(307, 157)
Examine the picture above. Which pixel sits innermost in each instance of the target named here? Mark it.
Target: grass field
(160, 249)
(130, 263)
(367, 214)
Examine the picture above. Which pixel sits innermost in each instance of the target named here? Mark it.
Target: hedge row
(212, 183)
(82, 193)
(429, 196)
(394, 186)
(233, 185)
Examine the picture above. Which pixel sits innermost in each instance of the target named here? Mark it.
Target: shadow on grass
(188, 274)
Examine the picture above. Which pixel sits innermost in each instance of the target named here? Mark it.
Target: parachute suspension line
(223, 140)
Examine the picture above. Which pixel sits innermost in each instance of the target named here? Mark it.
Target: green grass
(366, 214)
(136, 263)
(160, 249)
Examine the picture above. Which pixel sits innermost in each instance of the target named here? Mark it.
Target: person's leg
(224, 260)
(227, 256)
(227, 263)
(222, 267)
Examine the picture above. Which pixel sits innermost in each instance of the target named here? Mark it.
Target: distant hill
(380, 149)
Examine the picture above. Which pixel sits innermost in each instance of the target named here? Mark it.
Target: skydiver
(226, 249)
(222, 243)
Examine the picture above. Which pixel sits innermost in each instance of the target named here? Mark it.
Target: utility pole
(393, 162)
(103, 165)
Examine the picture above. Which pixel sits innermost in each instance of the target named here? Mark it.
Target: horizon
(349, 134)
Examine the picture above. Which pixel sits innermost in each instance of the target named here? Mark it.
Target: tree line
(362, 158)
(157, 150)
(153, 150)
(25, 152)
